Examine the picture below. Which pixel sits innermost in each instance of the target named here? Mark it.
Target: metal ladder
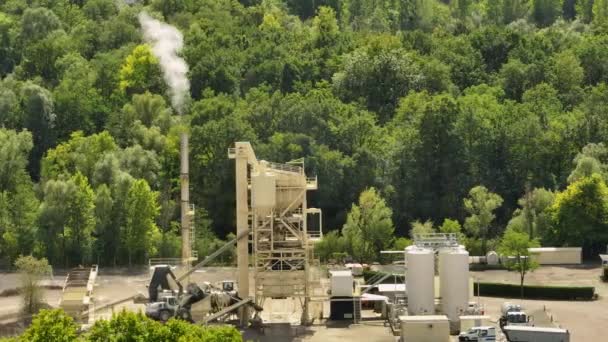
(356, 310)
(193, 251)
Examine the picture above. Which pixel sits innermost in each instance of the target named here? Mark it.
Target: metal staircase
(375, 280)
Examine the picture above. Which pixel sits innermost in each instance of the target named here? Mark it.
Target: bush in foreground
(56, 326)
(129, 326)
(51, 325)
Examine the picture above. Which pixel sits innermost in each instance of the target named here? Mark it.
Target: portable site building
(556, 255)
(429, 328)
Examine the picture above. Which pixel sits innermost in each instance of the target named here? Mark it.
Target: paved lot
(367, 331)
(586, 321)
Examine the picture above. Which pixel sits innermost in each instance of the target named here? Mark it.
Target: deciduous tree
(421, 228)
(532, 216)
(78, 104)
(140, 72)
(600, 14)
(81, 222)
(7, 49)
(480, 205)
(39, 118)
(584, 10)
(140, 230)
(31, 270)
(379, 76)
(545, 12)
(514, 246)
(580, 214)
(369, 227)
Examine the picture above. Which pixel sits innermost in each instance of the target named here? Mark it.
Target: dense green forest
(484, 114)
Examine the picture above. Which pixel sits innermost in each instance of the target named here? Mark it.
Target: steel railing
(436, 240)
(285, 167)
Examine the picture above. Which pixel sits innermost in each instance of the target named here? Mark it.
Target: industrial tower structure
(271, 206)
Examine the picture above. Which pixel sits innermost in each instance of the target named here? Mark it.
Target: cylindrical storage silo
(454, 283)
(263, 190)
(289, 185)
(420, 281)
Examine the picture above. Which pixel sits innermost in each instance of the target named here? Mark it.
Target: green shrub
(535, 291)
(51, 325)
(129, 326)
(56, 326)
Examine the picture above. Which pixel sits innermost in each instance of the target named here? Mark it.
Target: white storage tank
(420, 278)
(454, 283)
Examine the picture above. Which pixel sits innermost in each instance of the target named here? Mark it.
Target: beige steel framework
(271, 204)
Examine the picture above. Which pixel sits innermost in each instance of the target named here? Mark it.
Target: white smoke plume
(166, 42)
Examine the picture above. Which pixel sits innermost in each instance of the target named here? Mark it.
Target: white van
(478, 334)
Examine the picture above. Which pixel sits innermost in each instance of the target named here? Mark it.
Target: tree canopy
(421, 100)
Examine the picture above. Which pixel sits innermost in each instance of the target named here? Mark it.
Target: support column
(305, 320)
(242, 225)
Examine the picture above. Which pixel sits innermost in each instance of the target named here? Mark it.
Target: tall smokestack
(185, 198)
(166, 42)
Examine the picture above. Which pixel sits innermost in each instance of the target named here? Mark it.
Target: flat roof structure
(554, 249)
(423, 318)
(525, 328)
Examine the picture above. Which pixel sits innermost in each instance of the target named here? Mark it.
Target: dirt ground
(12, 304)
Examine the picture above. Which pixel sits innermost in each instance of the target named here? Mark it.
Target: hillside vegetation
(474, 116)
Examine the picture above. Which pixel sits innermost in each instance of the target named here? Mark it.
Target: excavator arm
(160, 281)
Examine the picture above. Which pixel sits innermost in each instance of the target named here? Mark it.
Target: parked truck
(535, 334)
(514, 314)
